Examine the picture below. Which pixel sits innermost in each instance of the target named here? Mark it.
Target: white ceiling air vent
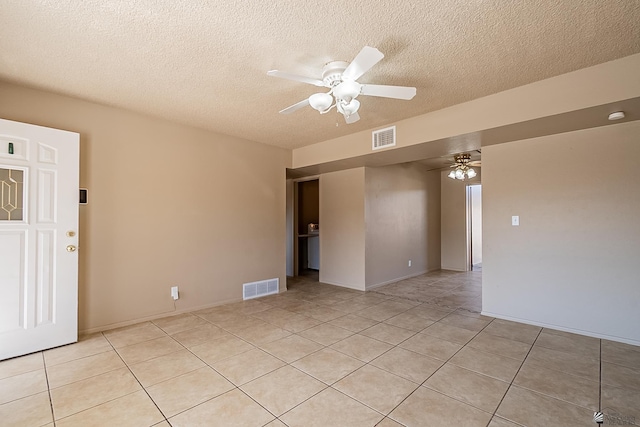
(260, 289)
(383, 138)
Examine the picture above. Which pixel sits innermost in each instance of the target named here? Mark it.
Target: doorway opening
(307, 229)
(474, 227)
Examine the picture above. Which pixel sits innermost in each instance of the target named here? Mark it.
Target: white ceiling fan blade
(295, 77)
(397, 92)
(352, 118)
(295, 107)
(367, 58)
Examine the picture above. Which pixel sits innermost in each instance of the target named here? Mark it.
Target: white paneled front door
(38, 238)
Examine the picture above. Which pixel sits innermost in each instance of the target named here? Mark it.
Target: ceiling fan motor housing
(462, 159)
(332, 73)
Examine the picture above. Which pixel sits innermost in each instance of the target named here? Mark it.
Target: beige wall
(342, 228)
(402, 217)
(454, 221)
(572, 264)
(168, 205)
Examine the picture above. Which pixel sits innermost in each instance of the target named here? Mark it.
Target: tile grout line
(432, 374)
(511, 382)
(521, 364)
(396, 346)
(277, 417)
(46, 376)
(368, 406)
(355, 333)
(330, 386)
(136, 378)
(447, 361)
(135, 343)
(238, 387)
(600, 379)
(327, 386)
(548, 395)
(93, 376)
(235, 387)
(95, 406)
(516, 374)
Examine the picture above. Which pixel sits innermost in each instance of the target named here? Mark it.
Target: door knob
(71, 248)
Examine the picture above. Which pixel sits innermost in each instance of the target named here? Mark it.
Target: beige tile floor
(320, 355)
(445, 288)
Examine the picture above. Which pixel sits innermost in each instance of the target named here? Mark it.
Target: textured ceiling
(204, 63)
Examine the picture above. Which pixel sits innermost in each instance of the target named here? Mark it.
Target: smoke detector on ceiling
(617, 115)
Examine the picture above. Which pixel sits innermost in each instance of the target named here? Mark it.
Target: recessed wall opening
(304, 258)
(474, 233)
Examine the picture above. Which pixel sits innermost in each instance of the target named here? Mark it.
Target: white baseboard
(564, 329)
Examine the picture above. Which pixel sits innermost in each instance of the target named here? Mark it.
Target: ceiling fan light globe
(452, 175)
(347, 90)
(320, 101)
(351, 107)
(459, 174)
(471, 173)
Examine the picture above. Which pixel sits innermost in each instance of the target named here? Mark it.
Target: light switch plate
(515, 220)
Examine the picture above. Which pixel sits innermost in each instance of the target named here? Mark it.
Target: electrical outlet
(174, 292)
(515, 220)
(409, 263)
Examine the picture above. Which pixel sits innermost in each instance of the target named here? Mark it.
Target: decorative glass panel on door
(11, 194)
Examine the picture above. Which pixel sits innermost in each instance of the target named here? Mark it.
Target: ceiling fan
(461, 167)
(341, 79)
